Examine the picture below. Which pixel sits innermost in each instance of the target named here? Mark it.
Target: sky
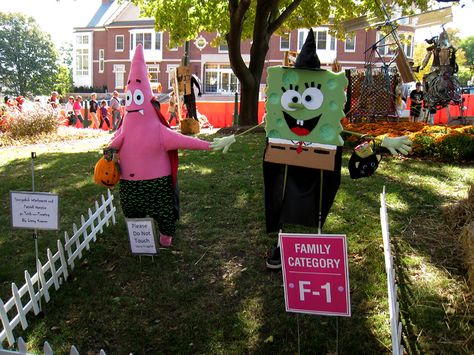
(60, 17)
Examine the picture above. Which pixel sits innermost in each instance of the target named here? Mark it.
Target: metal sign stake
(35, 234)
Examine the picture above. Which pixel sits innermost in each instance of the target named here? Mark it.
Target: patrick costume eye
(138, 97)
(128, 100)
(312, 98)
(290, 96)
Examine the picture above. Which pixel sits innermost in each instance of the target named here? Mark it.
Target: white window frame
(160, 36)
(144, 31)
(285, 38)
(330, 40)
(117, 49)
(220, 70)
(223, 48)
(317, 34)
(154, 68)
(332, 43)
(354, 39)
(119, 73)
(171, 49)
(169, 68)
(384, 49)
(101, 60)
(407, 41)
(82, 60)
(302, 34)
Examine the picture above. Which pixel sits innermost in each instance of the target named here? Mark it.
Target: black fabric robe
(300, 204)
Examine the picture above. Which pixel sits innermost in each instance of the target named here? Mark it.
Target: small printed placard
(141, 232)
(34, 210)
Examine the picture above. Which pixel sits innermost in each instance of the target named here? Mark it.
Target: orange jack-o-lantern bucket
(106, 173)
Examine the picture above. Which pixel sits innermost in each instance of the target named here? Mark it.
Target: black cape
(300, 204)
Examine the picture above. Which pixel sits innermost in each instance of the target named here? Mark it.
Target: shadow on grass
(210, 293)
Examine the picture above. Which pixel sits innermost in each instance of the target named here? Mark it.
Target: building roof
(105, 13)
(141, 22)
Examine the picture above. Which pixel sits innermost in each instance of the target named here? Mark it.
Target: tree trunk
(266, 23)
(248, 115)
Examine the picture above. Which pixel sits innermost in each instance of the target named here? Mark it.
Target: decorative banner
(34, 210)
(141, 232)
(315, 274)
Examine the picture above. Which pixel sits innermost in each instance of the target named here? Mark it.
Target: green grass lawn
(211, 293)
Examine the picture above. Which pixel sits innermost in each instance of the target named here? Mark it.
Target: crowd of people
(98, 116)
(101, 114)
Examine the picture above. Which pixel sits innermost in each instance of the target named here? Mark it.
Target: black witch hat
(307, 58)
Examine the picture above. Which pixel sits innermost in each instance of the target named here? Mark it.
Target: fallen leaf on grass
(269, 339)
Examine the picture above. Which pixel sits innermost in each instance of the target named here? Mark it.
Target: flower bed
(447, 143)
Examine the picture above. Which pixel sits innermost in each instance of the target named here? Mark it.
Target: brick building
(103, 50)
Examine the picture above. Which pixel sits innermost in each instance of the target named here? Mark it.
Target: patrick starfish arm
(173, 140)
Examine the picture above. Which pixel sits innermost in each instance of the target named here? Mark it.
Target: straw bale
(461, 213)
(467, 242)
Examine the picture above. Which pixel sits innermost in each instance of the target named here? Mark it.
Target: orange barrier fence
(441, 116)
(219, 114)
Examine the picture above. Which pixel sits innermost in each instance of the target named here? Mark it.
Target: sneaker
(274, 260)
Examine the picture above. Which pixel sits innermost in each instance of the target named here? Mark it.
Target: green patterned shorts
(153, 198)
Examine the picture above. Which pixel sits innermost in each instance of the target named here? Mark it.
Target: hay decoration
(467, 242)
(460, 217)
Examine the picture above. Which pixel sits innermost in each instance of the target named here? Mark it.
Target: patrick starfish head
(139, 94)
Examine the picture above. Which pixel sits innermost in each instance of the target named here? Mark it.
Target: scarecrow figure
(148, 157)
(302, 161)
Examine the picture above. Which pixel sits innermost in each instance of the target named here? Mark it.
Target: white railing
(47, 350)
(55, 270)
(393, 305)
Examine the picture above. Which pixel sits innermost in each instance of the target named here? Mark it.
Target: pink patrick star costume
(148, 154)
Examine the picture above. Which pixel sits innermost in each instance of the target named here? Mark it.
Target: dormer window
(149, 39)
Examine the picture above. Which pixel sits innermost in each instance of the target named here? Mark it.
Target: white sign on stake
(34, 210)
(141, 232)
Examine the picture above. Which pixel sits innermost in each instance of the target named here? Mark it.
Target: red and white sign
(315, 274)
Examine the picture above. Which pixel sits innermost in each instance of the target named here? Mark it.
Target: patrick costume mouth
(139, 111)
(301, 127)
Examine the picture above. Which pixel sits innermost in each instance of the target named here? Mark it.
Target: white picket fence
(55, 270)
(393, 305)
(47, 350)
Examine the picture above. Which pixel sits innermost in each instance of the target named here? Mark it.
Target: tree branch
(284, 15)
(237, 11)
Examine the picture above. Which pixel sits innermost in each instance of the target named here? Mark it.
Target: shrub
(456, 146)
(423, 144)
(38, 120)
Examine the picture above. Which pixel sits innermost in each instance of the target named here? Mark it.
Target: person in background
(77, 109)
(173, 109)
(8, 101)
(70, 111)
(115, 105)
(104, 114)
(416, 97)
(54, 100)
(93, 106)
(19, 102)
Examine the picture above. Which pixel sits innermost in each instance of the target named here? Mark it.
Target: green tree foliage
(28, 59)
(467, 45)
(258, 20)
(63, 84)
(64, 81)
